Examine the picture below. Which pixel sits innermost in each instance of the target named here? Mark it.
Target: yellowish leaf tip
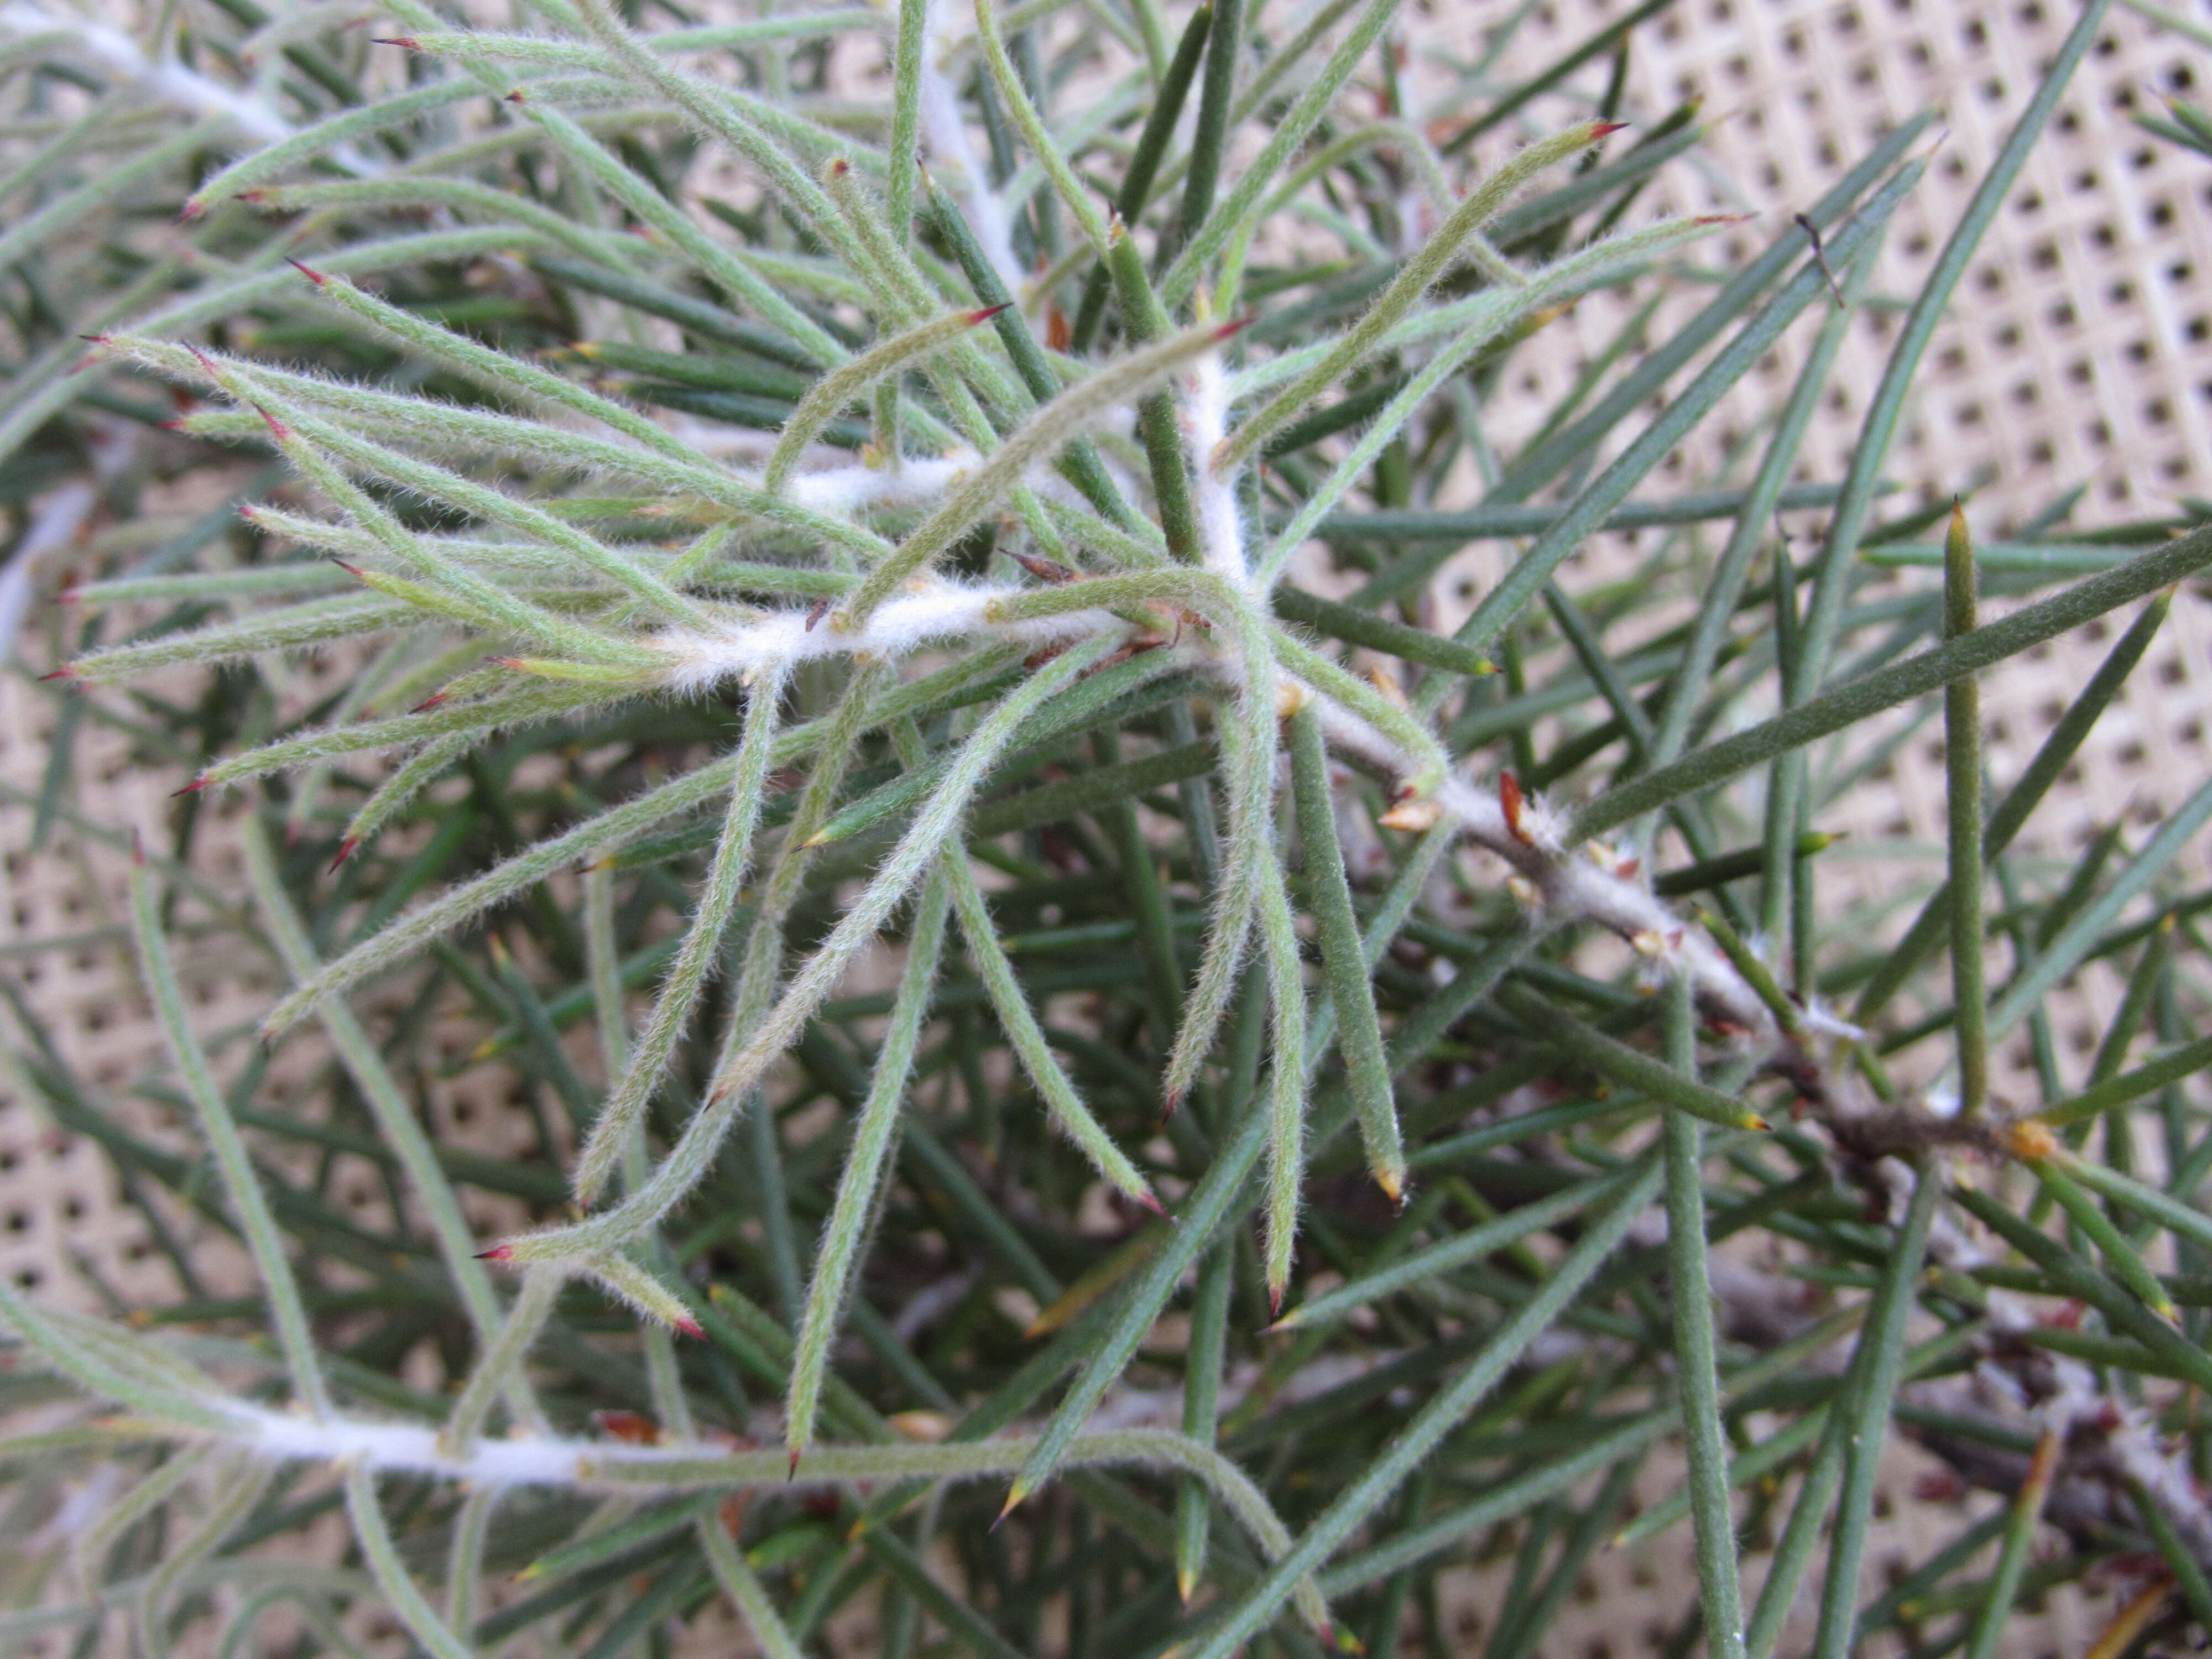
(2030, 1140)
(1413, 817)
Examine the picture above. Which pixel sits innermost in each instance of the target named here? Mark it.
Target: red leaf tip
(497, 1253)
(987, 312)
(308, 271)
(1510, 801)
(691, 1327)
(192, 788)
(404, 42)
(66, 672)
(1605, 129)
(1049, 571)
(1228, 329)
(345, 851)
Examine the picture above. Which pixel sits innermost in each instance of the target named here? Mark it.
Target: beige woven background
(2080, 348)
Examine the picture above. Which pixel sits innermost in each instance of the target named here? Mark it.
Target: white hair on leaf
(249, 115)
(939, 611)
(945, 131)
(1205, 423)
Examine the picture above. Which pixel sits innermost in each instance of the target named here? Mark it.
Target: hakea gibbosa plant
(862, 513)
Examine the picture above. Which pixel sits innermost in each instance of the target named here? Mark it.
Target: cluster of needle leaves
(788, 532)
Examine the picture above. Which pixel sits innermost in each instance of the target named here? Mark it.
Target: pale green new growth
(1413, 280)
(699, 953)
(857, 1188)
(232, 1160)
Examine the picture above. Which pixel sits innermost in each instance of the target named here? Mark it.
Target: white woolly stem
(944, 133)
(1586, 887)
(56, 521)
(172, 82)
(369, 1448)
(1213, 497)
(941, 612)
